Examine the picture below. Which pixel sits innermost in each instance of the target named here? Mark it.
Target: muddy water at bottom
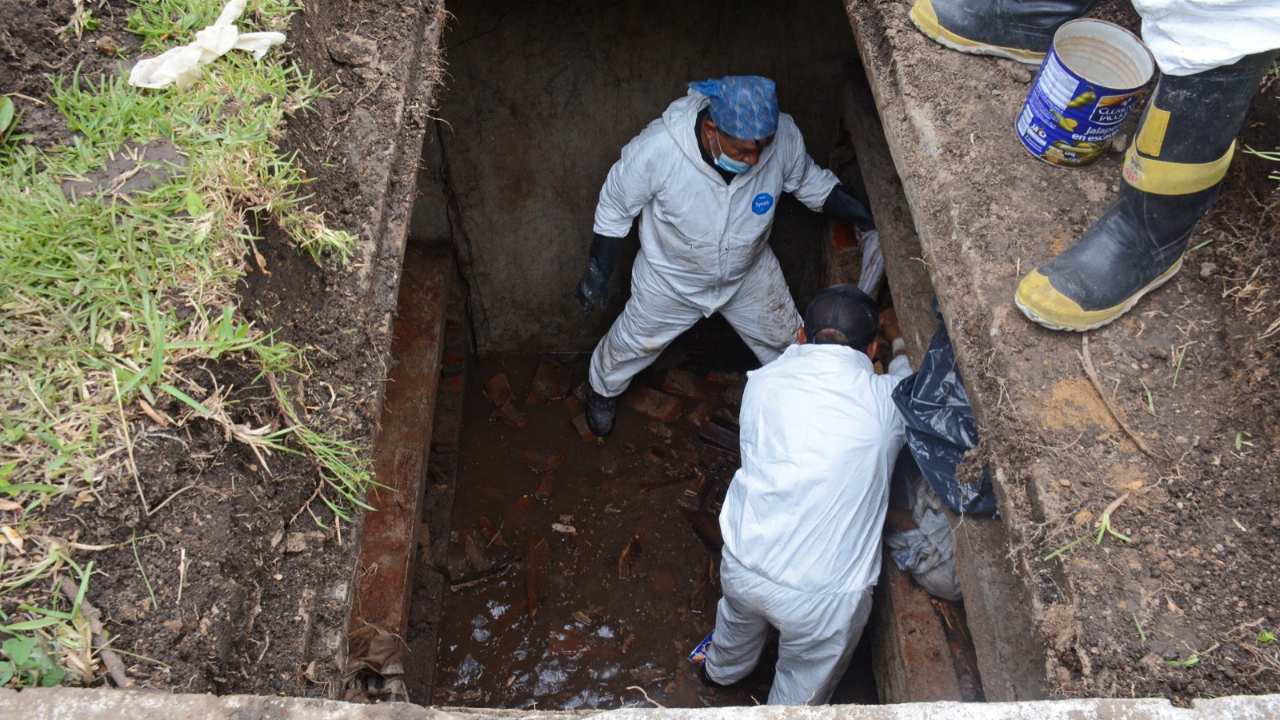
(630, 588)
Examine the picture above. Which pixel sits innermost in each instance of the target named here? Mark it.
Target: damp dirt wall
(540, 98)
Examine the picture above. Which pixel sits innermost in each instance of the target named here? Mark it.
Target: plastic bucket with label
(1087, 85)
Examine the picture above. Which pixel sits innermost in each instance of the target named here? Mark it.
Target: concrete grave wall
(539, 99)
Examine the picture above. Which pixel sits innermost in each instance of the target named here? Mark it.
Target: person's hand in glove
(595, 281)
(843, 206)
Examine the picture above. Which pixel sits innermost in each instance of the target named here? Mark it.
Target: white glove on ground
(181, 65)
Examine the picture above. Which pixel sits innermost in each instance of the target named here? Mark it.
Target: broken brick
(682, 382)
(572, 405)
(512, 414)
(452, 384)
(551, 379)
(498, 390)
(539, 461)
(699, 414)
(722, 379)
(544, 486)
(580, 424)
(653, 404)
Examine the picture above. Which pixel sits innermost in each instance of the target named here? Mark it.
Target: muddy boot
(601, 412)
(1171, 174)
(706, 679)
(1020, 30)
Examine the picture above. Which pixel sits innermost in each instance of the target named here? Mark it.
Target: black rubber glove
(595, 281)
(843, 206)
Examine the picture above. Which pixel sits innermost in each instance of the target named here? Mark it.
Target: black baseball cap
(846, 309)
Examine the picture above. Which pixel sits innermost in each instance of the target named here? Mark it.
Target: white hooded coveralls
(703, 243)
(803, 517)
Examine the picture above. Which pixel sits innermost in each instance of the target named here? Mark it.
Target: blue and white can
(1088, 84)
(699, 653)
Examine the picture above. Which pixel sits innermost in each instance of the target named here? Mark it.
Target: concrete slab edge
(103, 704)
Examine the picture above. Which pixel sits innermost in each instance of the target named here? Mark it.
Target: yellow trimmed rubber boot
(1172, 173)
(1020, 30)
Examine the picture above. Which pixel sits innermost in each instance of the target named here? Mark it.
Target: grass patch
(113, 295)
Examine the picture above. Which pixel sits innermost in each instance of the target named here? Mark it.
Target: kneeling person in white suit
(802, 520)
(705, 180)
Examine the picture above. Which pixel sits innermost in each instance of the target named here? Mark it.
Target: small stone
(1064, 482)
(107, 46)
(1015, 71)
(353, 50)
(296, 542)
(1119, 143)
(1208, 269)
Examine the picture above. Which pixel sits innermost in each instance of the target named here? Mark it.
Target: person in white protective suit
(705, 180)
(803, 517)
(1212, 54)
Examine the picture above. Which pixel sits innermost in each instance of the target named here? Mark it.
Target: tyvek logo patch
(761, 203)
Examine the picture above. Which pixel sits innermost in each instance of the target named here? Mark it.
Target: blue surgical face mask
(724, 162)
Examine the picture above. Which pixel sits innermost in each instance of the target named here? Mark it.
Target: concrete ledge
(77, 704)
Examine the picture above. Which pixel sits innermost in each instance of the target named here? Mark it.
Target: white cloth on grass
(1191, 36)
(817, 634)
(700, 238)
(181, 65)
(803, 517)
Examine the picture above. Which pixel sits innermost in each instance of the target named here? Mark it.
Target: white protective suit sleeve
(1191, 36)
(899, 367)
(801, 176)
(632, 181)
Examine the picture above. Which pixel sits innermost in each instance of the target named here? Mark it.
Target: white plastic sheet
(1191, 36)
(181, 65)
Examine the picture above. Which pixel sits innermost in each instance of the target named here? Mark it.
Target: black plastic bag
(941, 427)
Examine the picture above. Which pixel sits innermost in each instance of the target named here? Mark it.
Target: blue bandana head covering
(742, 106)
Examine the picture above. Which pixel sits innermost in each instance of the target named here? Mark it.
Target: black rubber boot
(706, 679)
(1172, 173)
(1020, 30)
(601, 412)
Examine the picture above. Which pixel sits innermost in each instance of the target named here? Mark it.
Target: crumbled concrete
(76, 704)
